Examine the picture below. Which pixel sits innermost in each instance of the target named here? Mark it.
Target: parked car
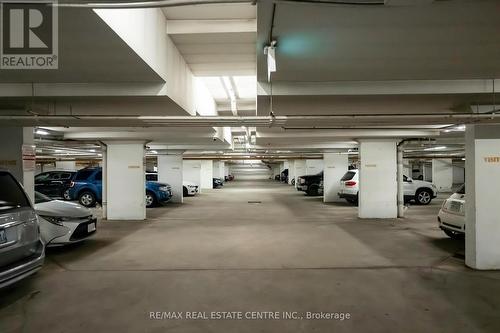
(22, 251)
(228, 178)
(451, 216)
(419, 191)
(217, 182)
(277, 177)
(284, 176)
(86, 187)
(63, 222)
(54, 184)
(188, 188)
(310, 183)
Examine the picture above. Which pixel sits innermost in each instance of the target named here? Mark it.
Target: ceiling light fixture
(435, 148)
(40, 131)
(270, 51)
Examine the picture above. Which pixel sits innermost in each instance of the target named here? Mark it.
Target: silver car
(63, 222)
(21, 248)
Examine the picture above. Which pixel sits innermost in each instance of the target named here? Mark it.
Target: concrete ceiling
(442, 40)
(215, 39)
(89, 51)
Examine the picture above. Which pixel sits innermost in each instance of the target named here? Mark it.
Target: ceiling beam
(179, 27)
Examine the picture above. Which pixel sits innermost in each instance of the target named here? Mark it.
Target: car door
(408, 186)
(98, 184)
(55, 185)
(42, 181)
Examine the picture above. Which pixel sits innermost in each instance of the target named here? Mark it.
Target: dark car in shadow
(217, 182)
(54, 184)
(311, 184)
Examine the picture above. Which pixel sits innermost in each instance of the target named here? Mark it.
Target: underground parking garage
(242, 166)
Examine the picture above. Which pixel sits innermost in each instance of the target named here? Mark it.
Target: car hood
(186, 183)
(422, 183)
(60, 208)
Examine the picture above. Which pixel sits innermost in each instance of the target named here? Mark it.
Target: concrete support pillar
(300, 169)
(170, 171)
(314, 166)
(226, 170)
(377, 179)
(126, 188)
(206, 174)
(150, 164)
(291, 171)
(191, 172)
(66, 165)
(335, 166)
(407, 168)
(442, 174)
(18, 155)
(218, 169)
(482, 179)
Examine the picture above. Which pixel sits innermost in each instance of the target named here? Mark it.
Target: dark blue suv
(86, 187)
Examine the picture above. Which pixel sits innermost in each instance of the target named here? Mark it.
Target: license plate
(455, 206)
(91, 227)
(3, 237)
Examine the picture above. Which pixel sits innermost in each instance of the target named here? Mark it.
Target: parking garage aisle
(257, 246)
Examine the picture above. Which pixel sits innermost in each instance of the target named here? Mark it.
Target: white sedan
(189, 188)
(63, 222)
(451, 217)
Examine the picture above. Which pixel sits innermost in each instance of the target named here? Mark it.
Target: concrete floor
(218, 252)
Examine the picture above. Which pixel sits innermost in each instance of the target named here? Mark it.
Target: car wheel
(185, 191)
(423, 197)
(87, 199)
(453, 234)
(66, 195)
(150, 199)
(312, 190)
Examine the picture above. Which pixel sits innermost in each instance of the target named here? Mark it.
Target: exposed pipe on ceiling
(107, 4)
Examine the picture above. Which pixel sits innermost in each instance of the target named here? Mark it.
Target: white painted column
(442, 174)
(226, 170)
(300, 169)
(66, 165)
(17, 155)
(335, 166)
(482, 209)
(218, 169)
(191, 172)
(170, 171)
(377, 179)
(291, 171)
(407, 168)
(314, 166)
(126, 187)
(206, 174)
(104, 189)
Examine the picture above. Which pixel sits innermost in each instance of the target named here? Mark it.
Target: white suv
(420, 191)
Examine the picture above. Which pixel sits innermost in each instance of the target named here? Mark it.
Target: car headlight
(163, 188)
(53, 219)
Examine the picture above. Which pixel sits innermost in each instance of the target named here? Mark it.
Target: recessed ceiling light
(436, 148)
(40, 131)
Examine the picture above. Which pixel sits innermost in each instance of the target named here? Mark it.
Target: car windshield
(84, 174)
(42, 176)
(11, 194)
(348, 176)
(152, 177)
(461, 190)
(39, 198)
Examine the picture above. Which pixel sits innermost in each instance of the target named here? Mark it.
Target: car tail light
(72, 184)
(350, 183)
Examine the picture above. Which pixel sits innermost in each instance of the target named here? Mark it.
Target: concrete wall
(191, 171)
(126, 182)
(207, 173)
(313, 167)
(377, 180)
(442, 174)
(66, 165)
